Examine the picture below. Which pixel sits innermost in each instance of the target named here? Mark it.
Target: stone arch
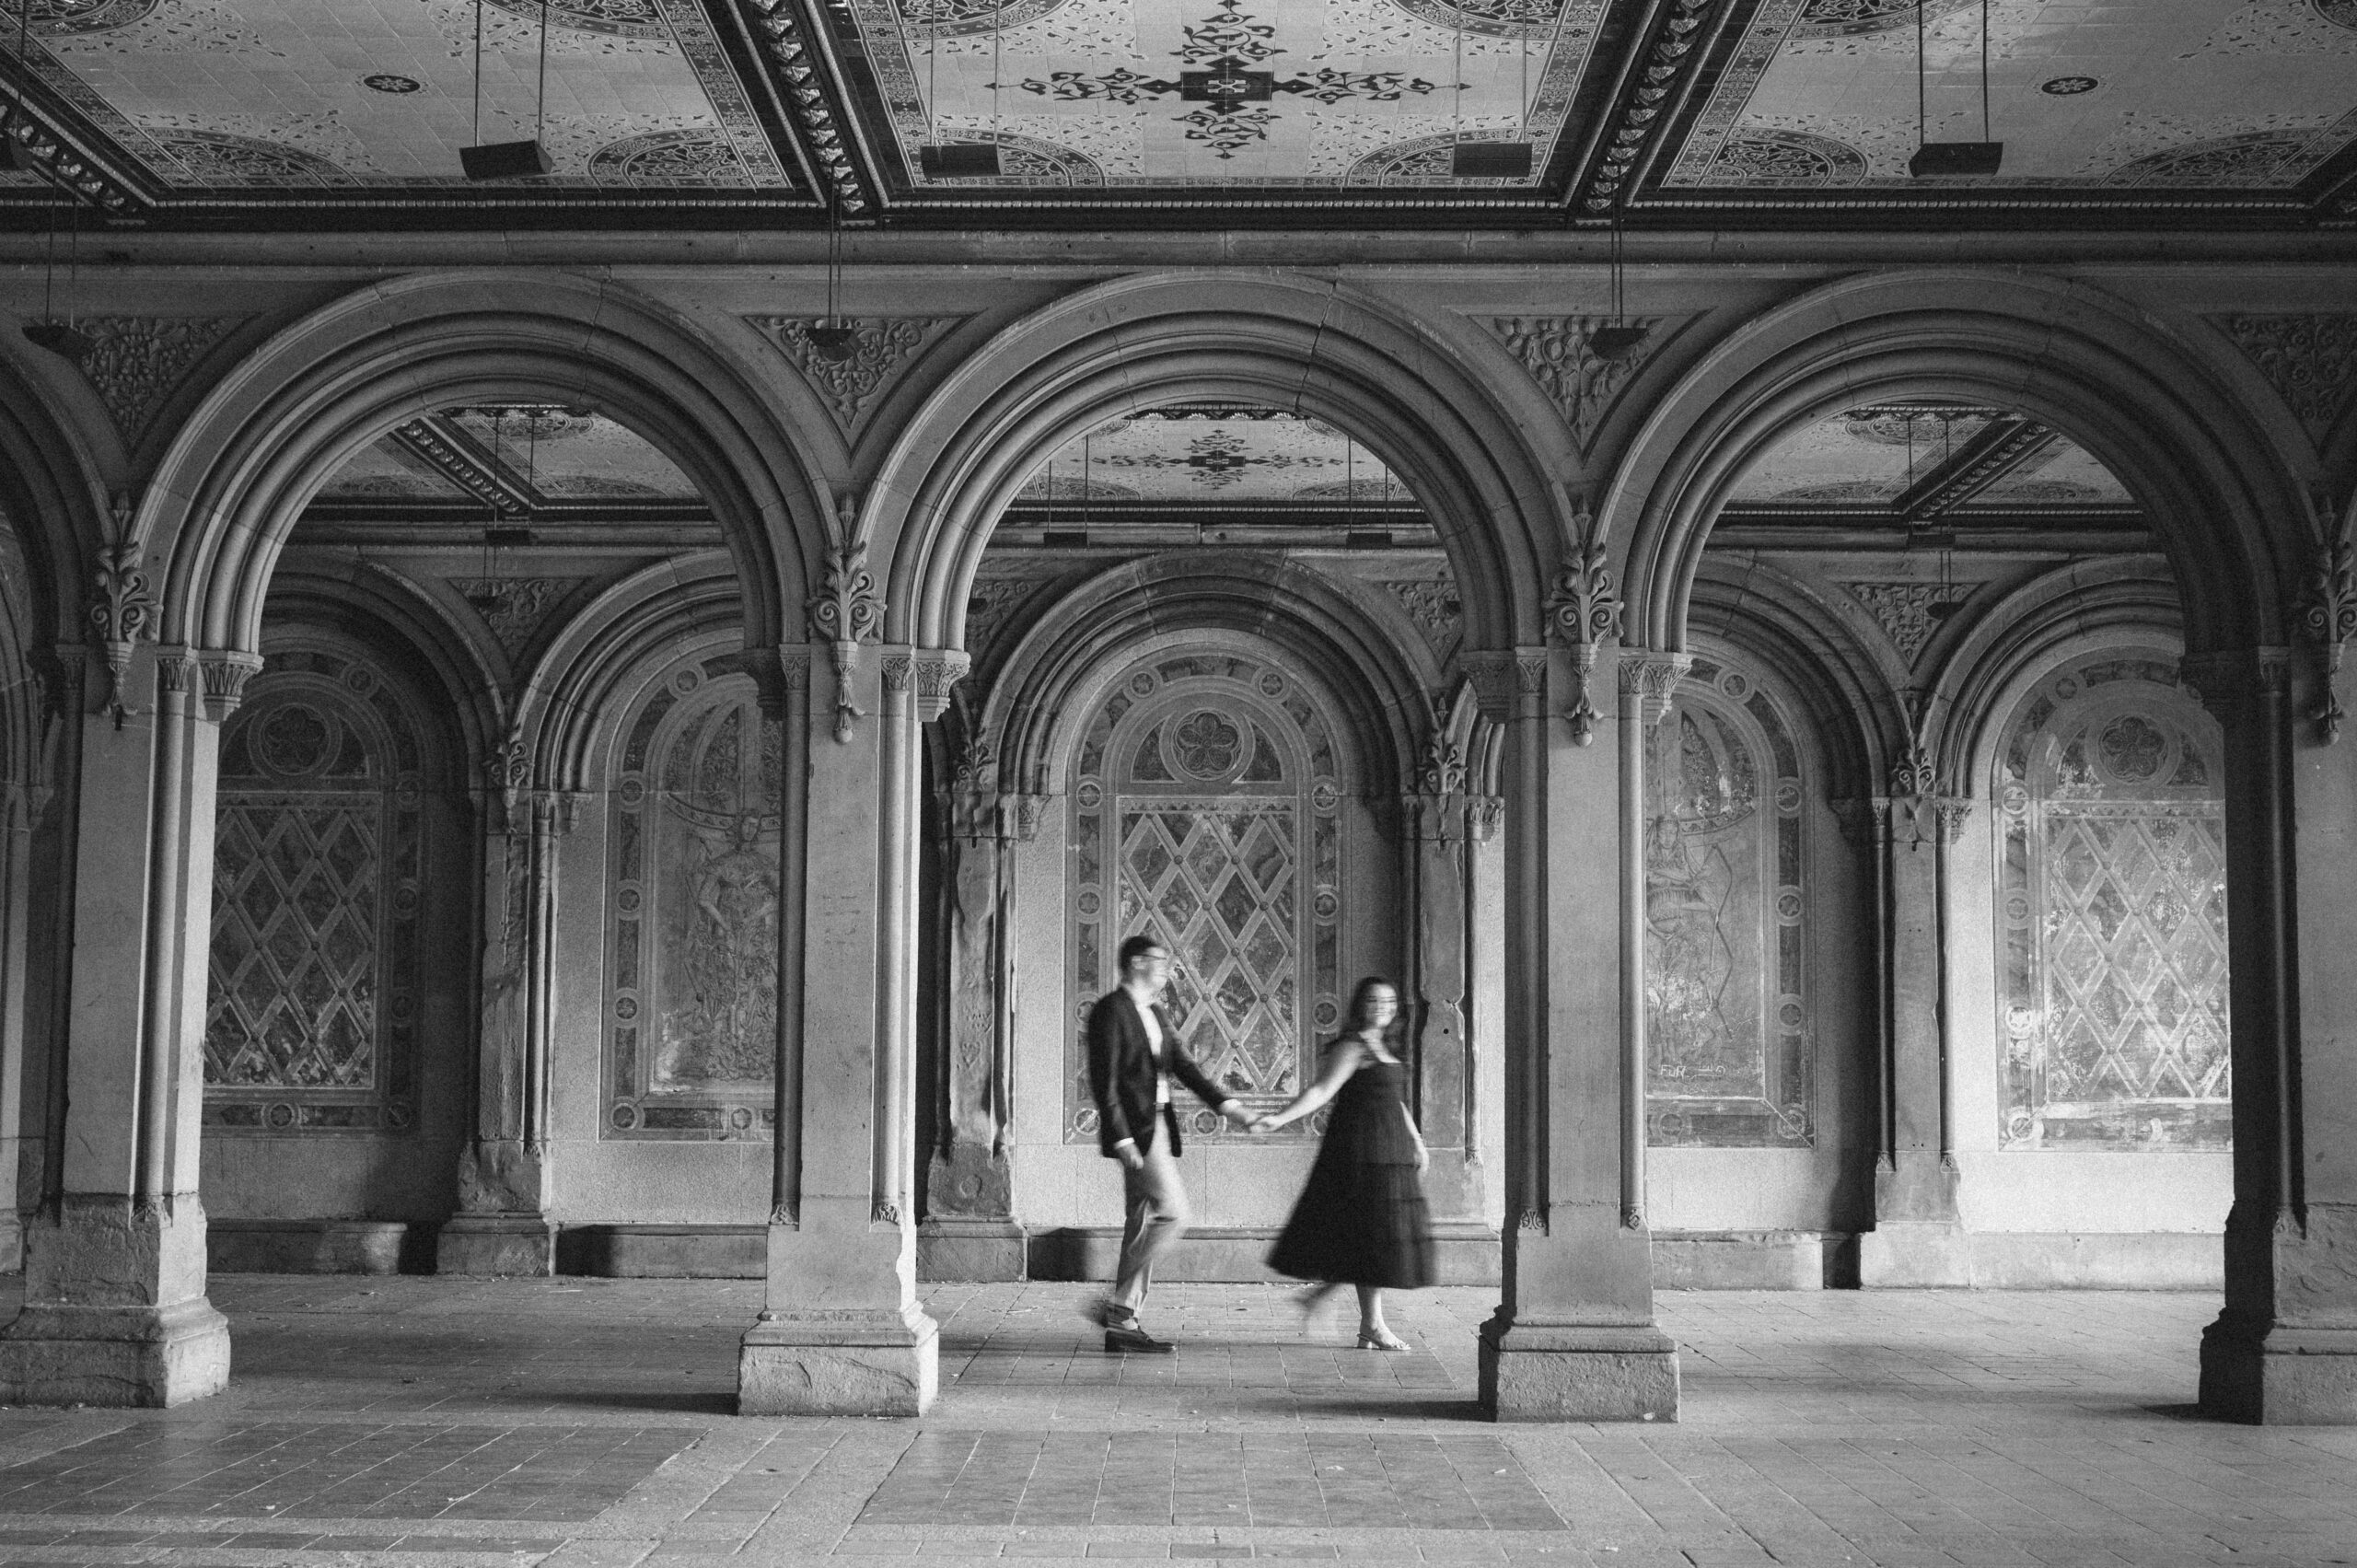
(1318, 348)
(229, 491)
(1843, 695)
(1385, 685)
(55, 503)
(2166, 423)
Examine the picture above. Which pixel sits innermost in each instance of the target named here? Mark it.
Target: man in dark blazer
(1134, 1053)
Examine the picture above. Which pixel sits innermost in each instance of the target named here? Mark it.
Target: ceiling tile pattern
(1222, 457)
(1931, 460)
(1782, 114)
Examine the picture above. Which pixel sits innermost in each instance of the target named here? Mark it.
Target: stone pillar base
(1575, 1372)
(977, 1250)
(2279, 1377)
(1919, 1254)
(496, 1244)
(877, 1362)
(138, 1357)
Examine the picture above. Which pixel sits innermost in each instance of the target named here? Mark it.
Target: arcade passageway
(584, 1423)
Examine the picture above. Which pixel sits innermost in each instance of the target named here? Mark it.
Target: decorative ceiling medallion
(139, 361)
(881, 347)
(2311, 361)
(1226, 94)
(383, 83)
(2068, 87)
(1910, 612)
(1555, 350)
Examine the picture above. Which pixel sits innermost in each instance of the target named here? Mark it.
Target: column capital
(2226, 678)
(1507, 683)
(1649, 681)
(937, 671)
(224, 673)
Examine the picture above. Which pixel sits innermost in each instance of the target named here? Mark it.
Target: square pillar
(1575, 1338)
(840, 1332)
(2283, 1350)
(115, 1309)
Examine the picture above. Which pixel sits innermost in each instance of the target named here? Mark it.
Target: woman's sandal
(1383, 1341)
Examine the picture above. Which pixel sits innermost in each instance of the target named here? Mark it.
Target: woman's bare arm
(1341, 1063)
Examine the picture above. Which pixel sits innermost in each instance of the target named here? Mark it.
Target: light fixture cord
(541, 97)
(477, 136)
(1984, 69)
(998, 53)
(1919, 70)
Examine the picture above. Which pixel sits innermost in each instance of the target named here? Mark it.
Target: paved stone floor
(585, 1423)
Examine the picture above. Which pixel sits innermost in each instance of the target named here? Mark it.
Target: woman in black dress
(1362, 1219)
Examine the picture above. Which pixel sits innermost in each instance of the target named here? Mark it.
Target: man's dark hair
(1141, 942)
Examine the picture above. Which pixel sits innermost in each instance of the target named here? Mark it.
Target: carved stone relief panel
(2111, 915)
(311, 1005)
(692, 1023)
(1204, 811)
(1726, 959)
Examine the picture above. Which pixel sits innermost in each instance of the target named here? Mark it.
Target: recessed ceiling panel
(319, 94)
(1864, 455)
(2064, 471)
(2136, 94)
(1225, 94)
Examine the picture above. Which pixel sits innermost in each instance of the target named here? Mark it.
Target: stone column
(503, 1225)
(115, 1311)
(20, 809)
(1575, 1337)
(1918, 1237)
(2284, 1348)
(1438, 818)
(970, 1231)
(840, 1332)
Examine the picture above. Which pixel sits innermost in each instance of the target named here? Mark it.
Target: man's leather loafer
(1126, 1337)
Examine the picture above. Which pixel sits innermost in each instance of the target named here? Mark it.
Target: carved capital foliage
(851, 381)
(175, 670)
(2229, 679)
(844, 614)
(937, 671)
(898, 670)
(1915, 775)
(123, 612)
(1954, 811)
(2327, 613)
(1491, 674)
(794, 667)
(1910, 612)
(1435, 606)
(1650, 680)
(225, 676)
(1558, 351)
(1584, 612)
(1435, 809)
(1484, 814)
(135, 363)
(2310, 360)
(974, 809)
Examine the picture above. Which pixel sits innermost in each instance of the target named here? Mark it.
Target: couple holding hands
(1361, 1219)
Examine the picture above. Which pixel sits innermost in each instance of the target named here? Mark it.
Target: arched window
(2111, 915)
(1203, 811)
(692, 906)
(318, 849)
(1727, 999)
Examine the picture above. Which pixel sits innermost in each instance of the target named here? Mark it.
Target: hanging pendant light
(1619, 340)
(1940, 159)
(509, 160)
(833, 339)
(960, 160)
(61, 338)
(1491, 161)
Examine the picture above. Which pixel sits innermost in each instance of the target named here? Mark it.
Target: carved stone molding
(137, 361)
(1435, 606)
(224, 674)
(1583, 611)
(175, 670)
(899, 669)
(1024, 813)
(794, 667)
(1556, 351)
(1435, 809)
(123, 612)
(937, 671)
(1954, 811)
(2327, 613)
(989, 603)
(1914, 774)
(852, 383)
(2310, 360)
(1650, 679)
(1910, 612)
(1484, 814)
(2226, 681)
(974, 811)
(1490, 675)
(845, 613)
(775, 23)
(1651, 90)
(515, 608)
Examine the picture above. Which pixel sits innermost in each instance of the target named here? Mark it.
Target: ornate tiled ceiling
(1920, 461)
(205, 113)
(512, 465)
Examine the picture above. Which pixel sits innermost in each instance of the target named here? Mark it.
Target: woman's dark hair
(1355, 1019)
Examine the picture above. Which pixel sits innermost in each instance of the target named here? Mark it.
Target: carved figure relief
(311, 1000)
(692, 909)
(1204, 811)
(1726, 1001)
(2111, 916)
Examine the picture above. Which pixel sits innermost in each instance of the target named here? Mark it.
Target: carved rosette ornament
(846, 613)
(2327, 613)
(1584, 612)
(123, 613)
